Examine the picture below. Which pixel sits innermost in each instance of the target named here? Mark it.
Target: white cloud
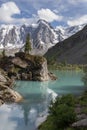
(48, 15)
(78, 21)
(7, 10)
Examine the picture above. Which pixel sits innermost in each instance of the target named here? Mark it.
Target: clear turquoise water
(37, 95)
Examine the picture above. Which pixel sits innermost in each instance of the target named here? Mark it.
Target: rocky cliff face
(26, 67)
(44, 71)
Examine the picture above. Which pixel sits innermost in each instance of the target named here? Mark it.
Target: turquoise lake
(37, 95)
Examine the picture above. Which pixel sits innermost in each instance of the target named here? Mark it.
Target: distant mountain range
(73, 50)
(43, 35)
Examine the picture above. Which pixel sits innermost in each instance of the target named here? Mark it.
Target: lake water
(37, 95)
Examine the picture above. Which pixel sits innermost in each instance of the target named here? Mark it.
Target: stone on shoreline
(7, 94)
(80, 123)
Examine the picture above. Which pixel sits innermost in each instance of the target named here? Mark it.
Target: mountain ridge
(72, 50)
(43, 36)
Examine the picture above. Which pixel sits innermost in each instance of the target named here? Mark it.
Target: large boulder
(20, 63)
(80, 123)
(7, 94)
(2, 78)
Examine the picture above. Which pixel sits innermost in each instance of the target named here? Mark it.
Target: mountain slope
(72, 50)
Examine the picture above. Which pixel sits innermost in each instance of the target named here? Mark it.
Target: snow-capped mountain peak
(43, 35)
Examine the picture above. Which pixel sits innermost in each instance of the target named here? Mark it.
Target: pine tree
(27, 44)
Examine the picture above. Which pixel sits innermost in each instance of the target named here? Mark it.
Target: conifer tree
(27, 44)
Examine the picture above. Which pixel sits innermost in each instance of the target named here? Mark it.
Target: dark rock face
(1, 102)
(26, 67)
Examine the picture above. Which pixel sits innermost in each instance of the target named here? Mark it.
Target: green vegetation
(3, 53)
(51, 61)
(27, 44)
(62, 66)
(34, 59)
(61, 114)
(85, 76)
(83, 99)
(53, 64)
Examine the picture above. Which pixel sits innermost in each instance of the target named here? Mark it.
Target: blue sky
(56, 12)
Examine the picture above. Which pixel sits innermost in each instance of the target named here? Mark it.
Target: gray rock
(81, 123)
(2, 78)
(81, 116)
(78, 110)
(6, 92)
(44, 72)
(20, 63)
(52, 76)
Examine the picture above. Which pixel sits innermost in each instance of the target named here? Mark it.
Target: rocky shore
(7, 94)
(21, 67)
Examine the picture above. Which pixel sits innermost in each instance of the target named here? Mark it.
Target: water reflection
(37, 95)
(25, 116)
(8, 116)
(36, 100)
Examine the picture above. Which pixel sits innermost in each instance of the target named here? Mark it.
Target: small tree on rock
(27, 44)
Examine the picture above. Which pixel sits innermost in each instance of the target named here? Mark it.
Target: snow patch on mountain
(68, 31)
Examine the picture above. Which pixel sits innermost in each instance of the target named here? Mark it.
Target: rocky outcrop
(7, 94)
(26, 67)
(20, 63)
(52, 76)
(41, 74)
(21, 67)
(80, 123)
